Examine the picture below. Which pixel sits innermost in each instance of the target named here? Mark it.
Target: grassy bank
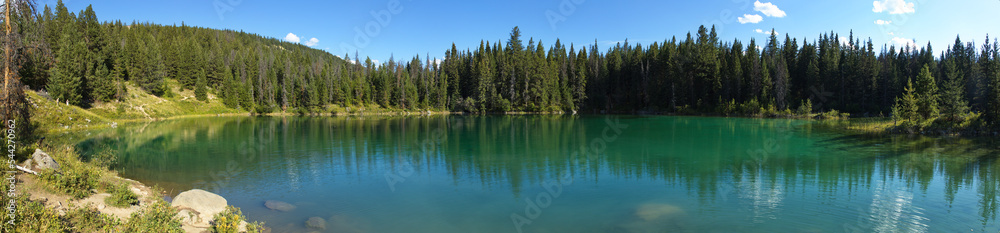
(970, 125)
(53, 116)
(87, 196)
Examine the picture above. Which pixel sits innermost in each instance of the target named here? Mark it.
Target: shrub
(121, 196)
(751, 107)
(157, 217)
(77, 181)
(728, 107)
(90, 220)
(229, 222)
(34, 217)
(833, 114)
(504, 105)
(805, 108)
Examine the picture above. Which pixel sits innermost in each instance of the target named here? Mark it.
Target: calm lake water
(566, 173)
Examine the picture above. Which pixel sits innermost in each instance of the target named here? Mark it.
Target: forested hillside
(85, 61)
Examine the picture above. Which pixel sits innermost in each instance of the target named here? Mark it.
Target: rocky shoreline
(196, 208)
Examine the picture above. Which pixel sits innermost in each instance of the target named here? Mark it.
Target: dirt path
(63, 203)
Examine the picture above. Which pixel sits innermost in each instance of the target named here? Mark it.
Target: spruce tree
(993, 77)
(908, 105)
(105, 88)
(927, 94)
(200, 86)
(952, 102)
(67, 74)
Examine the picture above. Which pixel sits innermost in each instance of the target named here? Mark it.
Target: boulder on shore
(42, 161)
(198, 207)
(279, 205)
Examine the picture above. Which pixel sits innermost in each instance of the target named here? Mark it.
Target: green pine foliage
(927, 94)
(200, 91)
(908, 107)
(953, 104)
(695, 74)
(67, 75)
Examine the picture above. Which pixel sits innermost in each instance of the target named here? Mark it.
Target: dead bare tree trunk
(12, 98)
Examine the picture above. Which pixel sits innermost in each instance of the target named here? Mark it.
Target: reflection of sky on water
(807, 181)
(892, 209)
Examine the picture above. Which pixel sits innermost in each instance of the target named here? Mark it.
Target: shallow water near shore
(559, 173)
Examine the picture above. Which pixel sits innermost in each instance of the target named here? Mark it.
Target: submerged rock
(198, 207)
(317, 223)
(346, 224)
(42, 161)
(654, 211)
(279, 205)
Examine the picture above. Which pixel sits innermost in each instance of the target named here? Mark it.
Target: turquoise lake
(561, 173)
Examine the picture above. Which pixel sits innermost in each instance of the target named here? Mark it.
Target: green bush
(229, 222)
(121, 196)
(728, 107)
(751, 107)
(32, 217)
(833, 114)
(504, 105)
(805, 108)
(77, 181)
(90, 220)
(157, 217)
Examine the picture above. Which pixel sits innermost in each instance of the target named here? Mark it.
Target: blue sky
(412, 27)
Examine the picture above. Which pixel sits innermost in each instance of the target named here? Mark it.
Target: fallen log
(19, 167)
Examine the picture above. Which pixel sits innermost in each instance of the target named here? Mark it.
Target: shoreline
(848, 126)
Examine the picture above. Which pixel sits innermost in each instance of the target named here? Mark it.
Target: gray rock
(654, 211)
(43, 161)
(198, 207)
(317, 223)
(279, 205)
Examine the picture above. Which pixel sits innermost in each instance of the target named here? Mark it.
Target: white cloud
(890, 33)
(882, 22)
(437, 62)
(761, 31)
(770, 10)
(893, 6)
(903, 42)
(612, 42)
(375, 61)
(844, 41)
(312, 42)
(292, 38)
(748, 18)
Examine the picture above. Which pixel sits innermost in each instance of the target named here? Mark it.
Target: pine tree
(579, 82)
(908, 106)
(230, 97)
(927, 94)
(200, 86)
(952, 102)
(105, 88)
(992, 68)
(67, 74)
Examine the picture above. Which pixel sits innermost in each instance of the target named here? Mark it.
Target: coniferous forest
(78, 59)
